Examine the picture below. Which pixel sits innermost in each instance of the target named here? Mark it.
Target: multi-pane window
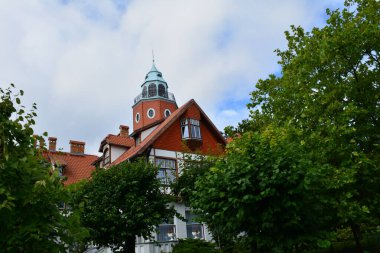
(144, 92)
(190, 129)
(194, 228)
(152, 90)
(167, 171)
(162, 91)
(166, 231)
(107, 156)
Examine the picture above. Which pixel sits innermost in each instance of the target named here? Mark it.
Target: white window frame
(147, 113)
(137, 117)
(191, 129)
(167, 111)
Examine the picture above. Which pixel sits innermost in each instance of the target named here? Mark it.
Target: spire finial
(153, 55)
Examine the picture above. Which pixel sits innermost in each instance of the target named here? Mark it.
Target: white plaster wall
(116, 152)
(165, 153)
(180, 225)
(145, 133)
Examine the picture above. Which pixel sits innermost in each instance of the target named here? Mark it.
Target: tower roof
(154, 75)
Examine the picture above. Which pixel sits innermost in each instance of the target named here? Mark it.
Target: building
(74, 165)
(163, 133)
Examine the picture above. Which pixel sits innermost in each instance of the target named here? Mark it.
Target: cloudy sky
(83, 61)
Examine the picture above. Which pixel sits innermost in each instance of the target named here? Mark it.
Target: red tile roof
(139, 149)
(117, 140)
(75, 167)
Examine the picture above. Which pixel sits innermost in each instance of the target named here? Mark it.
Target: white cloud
(229, 113)
(83, 61)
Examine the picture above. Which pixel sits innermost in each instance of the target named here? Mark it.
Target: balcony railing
(170, 97)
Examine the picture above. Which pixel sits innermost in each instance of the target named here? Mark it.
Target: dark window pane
(144, 92)
(162, 90)
(194, 231)
(166, 232)
(193, 227)
(152, 90)
(161, 175)
(170, 175)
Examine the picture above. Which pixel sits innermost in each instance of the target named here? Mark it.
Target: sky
(83, 61)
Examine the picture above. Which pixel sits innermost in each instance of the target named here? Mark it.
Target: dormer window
(190, 129)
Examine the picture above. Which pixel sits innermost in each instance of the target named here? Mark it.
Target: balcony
(170, 97)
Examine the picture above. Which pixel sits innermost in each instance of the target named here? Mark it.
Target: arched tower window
(144, 92)
(162, 91)
(152, 90)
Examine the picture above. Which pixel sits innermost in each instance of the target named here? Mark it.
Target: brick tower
(154, 103)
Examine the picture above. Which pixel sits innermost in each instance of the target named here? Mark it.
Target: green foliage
(329, 95)
(122, 202)
(259, 191)
(77, 237)
(30, 189)
(307, 163)
(194, 245)
(192, 168)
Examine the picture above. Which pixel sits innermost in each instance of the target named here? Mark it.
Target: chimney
(52, 143)
(124, 131)
(42, 143)
(77, 147)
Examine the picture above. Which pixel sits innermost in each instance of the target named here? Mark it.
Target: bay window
(190, 129)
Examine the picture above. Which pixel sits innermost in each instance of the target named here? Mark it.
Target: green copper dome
(154, 87)
(154, 75)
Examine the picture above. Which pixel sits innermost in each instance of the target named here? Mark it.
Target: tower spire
(153, 55)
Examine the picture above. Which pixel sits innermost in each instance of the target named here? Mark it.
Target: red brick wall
(193, 113)
(158, 105)
(171, 139)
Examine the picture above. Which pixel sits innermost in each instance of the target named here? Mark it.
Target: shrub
(194, 245)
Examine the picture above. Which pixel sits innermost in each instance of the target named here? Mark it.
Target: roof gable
(152, 137)
(117, 140)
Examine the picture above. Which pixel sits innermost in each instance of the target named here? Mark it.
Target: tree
(258, 191)
(30, 190)
(192, 168)
(308, 160)
(328, 94)
(122, 202)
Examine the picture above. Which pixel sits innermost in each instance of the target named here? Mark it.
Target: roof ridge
(154, 134)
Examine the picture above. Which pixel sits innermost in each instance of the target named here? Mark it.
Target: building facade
(164, 133)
